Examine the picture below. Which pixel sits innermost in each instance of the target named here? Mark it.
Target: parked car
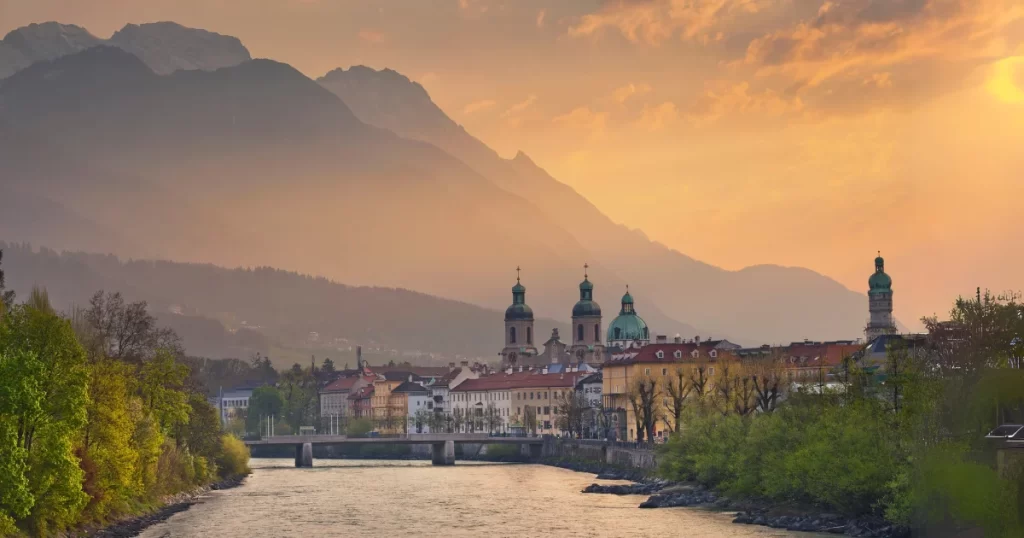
(1010, 432)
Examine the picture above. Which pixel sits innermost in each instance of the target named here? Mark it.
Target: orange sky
(795, 132)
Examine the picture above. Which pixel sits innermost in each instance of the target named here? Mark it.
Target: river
(369, 498)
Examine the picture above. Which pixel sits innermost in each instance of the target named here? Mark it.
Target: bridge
(442, 445)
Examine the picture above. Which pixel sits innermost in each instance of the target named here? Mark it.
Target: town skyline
(790, 164)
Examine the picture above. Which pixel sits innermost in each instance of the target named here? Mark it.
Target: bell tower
(518, 328)
(880, 321)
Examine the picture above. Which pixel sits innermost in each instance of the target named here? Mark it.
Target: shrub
(234, 457)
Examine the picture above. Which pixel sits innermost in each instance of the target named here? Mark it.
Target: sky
(796, 132)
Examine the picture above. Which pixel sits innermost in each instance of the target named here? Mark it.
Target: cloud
(477, 106)
(585, 119)
(621, 95)
(738, 99)
(371, 36)
(657, 117)
(655, 21)
(540, 17)
(878, 80)
(512, 113)
(852, 39)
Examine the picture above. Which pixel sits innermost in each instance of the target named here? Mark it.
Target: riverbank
(132, 526)
(666, 494)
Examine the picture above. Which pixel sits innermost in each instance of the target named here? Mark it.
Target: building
(879, 303)
(418, 406)
(700, 361)
(482, 404)
(628, 330)
(360, 402)
(234, 404)
(589, 390)
(334, 401)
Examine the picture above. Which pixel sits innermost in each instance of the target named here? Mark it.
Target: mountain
(756, 304)
(256, 164)
(164, 46)
(210, 307)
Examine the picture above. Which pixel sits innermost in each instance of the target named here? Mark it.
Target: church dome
(519, 311)
(586, 308)
(879, 282)
(628, 325)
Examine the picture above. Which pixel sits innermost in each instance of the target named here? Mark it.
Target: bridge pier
(442, 453)
(304, 455)
(531, 451)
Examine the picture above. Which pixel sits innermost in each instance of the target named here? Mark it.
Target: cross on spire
(517, 274)
(585, 268)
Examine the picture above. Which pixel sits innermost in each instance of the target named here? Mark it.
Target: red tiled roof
(344, 384)
(519, 380)
(363, 392)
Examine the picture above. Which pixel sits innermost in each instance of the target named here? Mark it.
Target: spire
(517, 274)
(586, 267)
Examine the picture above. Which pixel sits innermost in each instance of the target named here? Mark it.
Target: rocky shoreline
(132, 526)
(666, 494)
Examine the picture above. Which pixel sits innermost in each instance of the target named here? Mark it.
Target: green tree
(48, 433)
(6, 295)
(20, 396)
(264, 402)
(108, 453)
(161, 387)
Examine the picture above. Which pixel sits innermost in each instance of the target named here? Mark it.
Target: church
(590, 345)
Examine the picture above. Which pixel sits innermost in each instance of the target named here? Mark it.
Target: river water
(369, 498)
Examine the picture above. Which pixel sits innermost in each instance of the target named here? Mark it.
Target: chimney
(465, 364)
(661, 339)
(696, 340)
(678, 339)
(451, 366)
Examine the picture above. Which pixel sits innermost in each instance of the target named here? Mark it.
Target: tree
(161, 387)
(20, 397)
(700, 380)
(571, 408)
(127, 331)
(767, 376)
(492, 418)
(328, 366)
(678, 387)
(264, 402)
(6, 296)
(47, 434)
(530, 419)
(643, 397)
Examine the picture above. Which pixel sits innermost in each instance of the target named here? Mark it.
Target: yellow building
(389, 407)
(701, 363)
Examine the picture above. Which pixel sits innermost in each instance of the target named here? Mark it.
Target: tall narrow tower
(879, 302)
(586, 325)
(518, 328)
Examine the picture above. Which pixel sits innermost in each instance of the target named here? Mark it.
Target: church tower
(518, 328)
(879, 302)
(586, 325)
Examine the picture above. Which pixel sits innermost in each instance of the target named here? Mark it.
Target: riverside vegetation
(99, 417)
(906, 446)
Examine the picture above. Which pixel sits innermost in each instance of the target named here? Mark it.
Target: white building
(334, 400)
(234, 403)
(484, 403)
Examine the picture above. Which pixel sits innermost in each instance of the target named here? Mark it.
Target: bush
(359, 427)
(234, 458)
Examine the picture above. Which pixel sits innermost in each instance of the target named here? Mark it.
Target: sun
(1005, 83)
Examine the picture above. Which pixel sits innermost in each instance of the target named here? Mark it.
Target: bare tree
(643, 398)
(530, 419)
(492, 418)
(571, 407)
(127, 331)
(768, 380)
(700, 381)
(678, 387)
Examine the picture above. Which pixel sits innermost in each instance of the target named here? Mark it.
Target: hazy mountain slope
(258, 165)
(286, 306)
(163, 46)
(757, 304)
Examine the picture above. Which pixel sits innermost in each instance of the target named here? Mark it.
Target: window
(660, 354)
(711, 370)
(597, 332)
(529, 335)
(714, 353)
(579, 333)
(511, 335)
(618, 333)
(531, 395)
(664, 371)
(678, 354)
(694, 354)
(647, 371)
(547, 410)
